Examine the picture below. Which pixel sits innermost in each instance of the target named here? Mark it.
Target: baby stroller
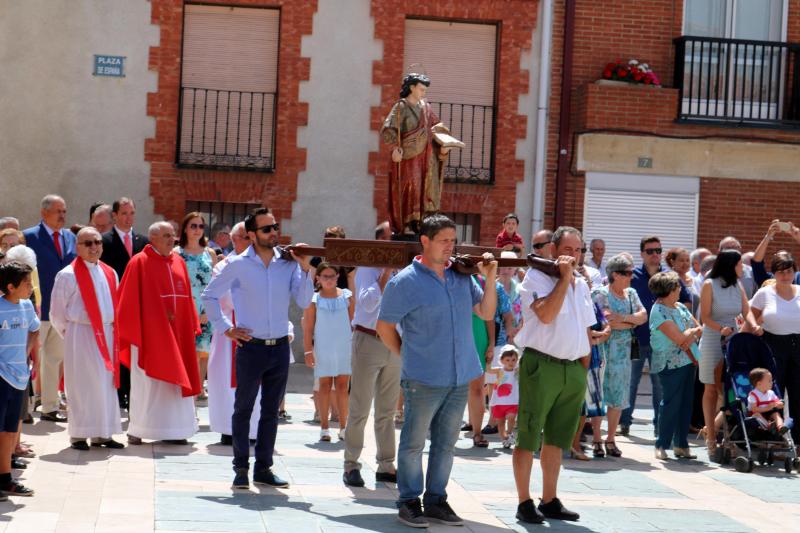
(743, 439)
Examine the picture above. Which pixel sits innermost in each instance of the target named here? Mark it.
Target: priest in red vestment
(157, 327)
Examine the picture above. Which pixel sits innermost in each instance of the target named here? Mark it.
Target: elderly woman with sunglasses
(624, 311)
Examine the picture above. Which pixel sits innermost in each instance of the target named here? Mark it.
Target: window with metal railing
(461, 60)
(738, 81)
(225, 212)
(228, 97)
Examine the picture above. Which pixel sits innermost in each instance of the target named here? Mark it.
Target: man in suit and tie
(55, 249)
(119, 245)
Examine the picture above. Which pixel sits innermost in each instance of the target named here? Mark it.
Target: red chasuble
(89, 298)
(156, 314)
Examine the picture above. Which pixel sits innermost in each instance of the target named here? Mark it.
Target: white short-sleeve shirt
(781, 317)
(565, 337)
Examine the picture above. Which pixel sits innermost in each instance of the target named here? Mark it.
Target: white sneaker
(341, 433)
(661, 454)
(325, 435)
(508, 442)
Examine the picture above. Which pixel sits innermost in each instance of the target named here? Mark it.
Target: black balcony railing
(227, 129)
(474, 125)
(738, 82)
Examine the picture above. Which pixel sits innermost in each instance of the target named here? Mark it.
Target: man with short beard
(261, 281)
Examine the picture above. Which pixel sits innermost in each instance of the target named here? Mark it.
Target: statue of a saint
(416, 175)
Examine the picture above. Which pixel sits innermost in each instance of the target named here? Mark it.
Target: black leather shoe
(266, 477)
(489, 430)
(385, 477)
(226, 440)
(80, 445)
(555, 510)
(53, 416)
(527, 512)
(240, 481)
(176, 442)
(110, 443)
(353, 478)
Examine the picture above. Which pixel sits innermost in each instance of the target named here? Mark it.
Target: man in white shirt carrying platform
(557, 317)
(376, 376)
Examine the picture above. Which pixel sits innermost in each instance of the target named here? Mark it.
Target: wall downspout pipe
(542, 113)
(566, 113)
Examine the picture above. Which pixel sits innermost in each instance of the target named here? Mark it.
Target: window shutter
(460, 60)
(229, 82)
(621, 209)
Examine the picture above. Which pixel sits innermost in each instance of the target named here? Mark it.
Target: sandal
(612, 450)
(597, 449)
(479, 442)
(579, 455)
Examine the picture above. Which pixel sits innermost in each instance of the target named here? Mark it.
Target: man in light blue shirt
(261, 281)
(433, 305)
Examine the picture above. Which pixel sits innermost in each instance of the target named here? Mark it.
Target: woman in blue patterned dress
(200, 261)
(624, 311)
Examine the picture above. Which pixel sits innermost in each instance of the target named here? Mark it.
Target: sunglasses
(539, 245)
(269, 228)
(197, 226)
(651, 251)
(89, 244)
(625, 273)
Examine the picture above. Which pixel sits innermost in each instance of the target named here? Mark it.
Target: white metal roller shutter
(460, 60)
(621, 209)
(230, 59)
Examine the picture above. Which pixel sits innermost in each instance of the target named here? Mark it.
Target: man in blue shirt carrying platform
(433, 305)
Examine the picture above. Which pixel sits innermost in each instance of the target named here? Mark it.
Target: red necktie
(128, 245)
(57, 242)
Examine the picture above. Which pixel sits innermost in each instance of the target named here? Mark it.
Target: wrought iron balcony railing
(227, 129)
(738, 82)
(475, 126)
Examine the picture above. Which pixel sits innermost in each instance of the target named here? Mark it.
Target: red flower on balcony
(631, 72)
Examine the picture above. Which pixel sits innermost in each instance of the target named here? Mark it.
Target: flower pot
(620, 83)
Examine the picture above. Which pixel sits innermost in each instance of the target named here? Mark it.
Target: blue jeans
(675, 410)
(267, 368)
(438, 409)
(645, 352)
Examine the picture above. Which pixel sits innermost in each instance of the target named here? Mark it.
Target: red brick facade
(517, 20)
(644, 29)
(171, 187)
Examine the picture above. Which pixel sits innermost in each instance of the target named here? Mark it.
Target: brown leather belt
(368, 331)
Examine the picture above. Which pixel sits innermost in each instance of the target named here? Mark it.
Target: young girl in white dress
(326, 343)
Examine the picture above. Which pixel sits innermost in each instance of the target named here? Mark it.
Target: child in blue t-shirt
(19, 328)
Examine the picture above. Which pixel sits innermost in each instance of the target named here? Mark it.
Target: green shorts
(551, 394)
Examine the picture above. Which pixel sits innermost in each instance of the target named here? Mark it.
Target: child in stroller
(744, 439)
(762, 402)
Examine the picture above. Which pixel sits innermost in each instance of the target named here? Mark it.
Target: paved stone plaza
(187, 488)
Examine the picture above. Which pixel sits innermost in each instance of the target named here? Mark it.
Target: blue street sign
(109, 66)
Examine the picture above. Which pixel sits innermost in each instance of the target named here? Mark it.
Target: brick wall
(745, 209)
(517, 19)
(641, 29)
(171, 187)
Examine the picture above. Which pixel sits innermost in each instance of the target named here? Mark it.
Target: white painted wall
(63, 130)
(335, 188)
(526, 148)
